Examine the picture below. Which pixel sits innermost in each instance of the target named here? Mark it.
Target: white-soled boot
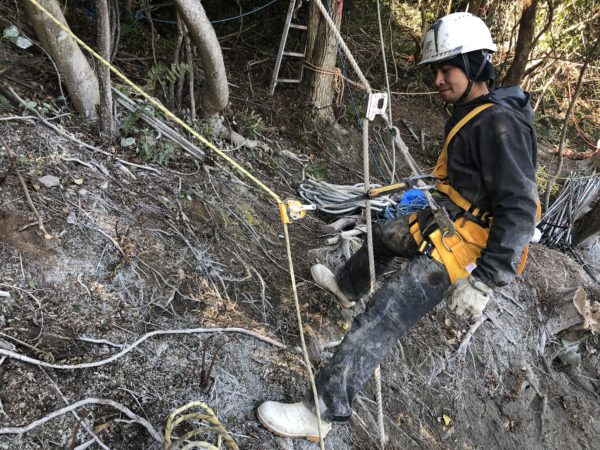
(326, 279)
(291, 420)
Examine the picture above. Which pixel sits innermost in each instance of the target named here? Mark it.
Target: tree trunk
(74, 68)
(104, 42)
(478, 7)
(321, 56)
(524, 43)
(216, 91)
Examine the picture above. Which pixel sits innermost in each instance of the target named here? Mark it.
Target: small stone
(49, 181)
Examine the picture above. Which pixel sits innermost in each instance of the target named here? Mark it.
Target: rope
(378, 396)
(333, 198)
(214, 426)
(343, 45)
(389, 91)
(231, 161)
(140, 15)
(336, 73)
(338, 80)
(365, 131)
(356, 109)
(313, 386)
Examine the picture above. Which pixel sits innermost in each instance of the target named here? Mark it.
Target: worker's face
(450, 81)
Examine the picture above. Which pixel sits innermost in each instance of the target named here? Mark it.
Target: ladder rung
(298, 26)
(288, 80)
(294, 54)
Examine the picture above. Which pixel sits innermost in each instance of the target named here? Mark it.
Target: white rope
(378, 395)
(334, 198)
(389, 91)
(343, 45)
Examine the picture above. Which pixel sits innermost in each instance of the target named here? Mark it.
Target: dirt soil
(166, 248)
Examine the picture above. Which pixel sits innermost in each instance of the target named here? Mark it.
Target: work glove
(468, 296)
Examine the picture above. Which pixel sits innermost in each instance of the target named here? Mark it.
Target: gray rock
(49, 181)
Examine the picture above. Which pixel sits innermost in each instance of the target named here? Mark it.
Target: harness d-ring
(456, 233)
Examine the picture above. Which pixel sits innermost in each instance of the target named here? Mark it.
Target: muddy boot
(291, 420)
(326, 279)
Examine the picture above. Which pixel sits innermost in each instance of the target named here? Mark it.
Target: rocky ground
(195, 254)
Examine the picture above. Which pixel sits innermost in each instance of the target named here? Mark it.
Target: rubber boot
(291, 420)
(326, 279)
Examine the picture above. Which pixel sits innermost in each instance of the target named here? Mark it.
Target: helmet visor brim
(441, 56)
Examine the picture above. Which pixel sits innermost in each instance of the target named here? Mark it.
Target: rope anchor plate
(377, 105)
(291, 210)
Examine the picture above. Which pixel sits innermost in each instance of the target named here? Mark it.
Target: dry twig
(13, 159)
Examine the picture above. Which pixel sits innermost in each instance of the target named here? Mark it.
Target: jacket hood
(515, 98)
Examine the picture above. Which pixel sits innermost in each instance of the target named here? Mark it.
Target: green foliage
(4, 103)
(568, 32)
(548, 127)
(156, 152)
(161, 73)
(317, 170)
(147, 147)
(541, 179)
(253, 123)
(128, 126)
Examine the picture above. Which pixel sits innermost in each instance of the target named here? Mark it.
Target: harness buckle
(428, 249)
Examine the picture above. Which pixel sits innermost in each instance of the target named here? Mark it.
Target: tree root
(88, 401)
(27, 359)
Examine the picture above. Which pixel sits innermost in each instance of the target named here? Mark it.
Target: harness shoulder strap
(441, 168)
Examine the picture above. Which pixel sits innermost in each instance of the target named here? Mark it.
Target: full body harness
(457, 251)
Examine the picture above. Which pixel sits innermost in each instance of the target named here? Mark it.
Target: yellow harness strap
(458, 253)
(441, 168)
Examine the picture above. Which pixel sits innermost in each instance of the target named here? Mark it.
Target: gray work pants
(397, 305)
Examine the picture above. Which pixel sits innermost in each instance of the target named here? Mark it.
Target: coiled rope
(333, 198)
(185, 441)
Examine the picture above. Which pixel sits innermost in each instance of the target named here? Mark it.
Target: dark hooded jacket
(491, 162)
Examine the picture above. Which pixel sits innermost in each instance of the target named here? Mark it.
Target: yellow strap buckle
(291, 210)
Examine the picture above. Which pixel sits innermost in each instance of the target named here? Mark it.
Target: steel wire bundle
(571, 204)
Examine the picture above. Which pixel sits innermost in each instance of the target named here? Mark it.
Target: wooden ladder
(275, 80)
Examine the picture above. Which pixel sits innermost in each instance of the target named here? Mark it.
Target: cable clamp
(291, 210)
(377, 105)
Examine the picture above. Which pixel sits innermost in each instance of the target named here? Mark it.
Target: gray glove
(468, 296)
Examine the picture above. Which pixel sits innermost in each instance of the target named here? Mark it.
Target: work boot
(291, 420)
(326, 279)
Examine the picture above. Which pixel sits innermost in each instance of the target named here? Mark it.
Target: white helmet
(456, 34)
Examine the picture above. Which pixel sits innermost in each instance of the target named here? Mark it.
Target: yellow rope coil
(184, 442)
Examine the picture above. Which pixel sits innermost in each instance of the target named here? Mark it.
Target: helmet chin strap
(468, 70)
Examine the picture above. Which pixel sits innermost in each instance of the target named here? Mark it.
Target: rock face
(589, 226)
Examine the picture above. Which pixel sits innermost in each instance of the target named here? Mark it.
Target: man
(487, 185)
